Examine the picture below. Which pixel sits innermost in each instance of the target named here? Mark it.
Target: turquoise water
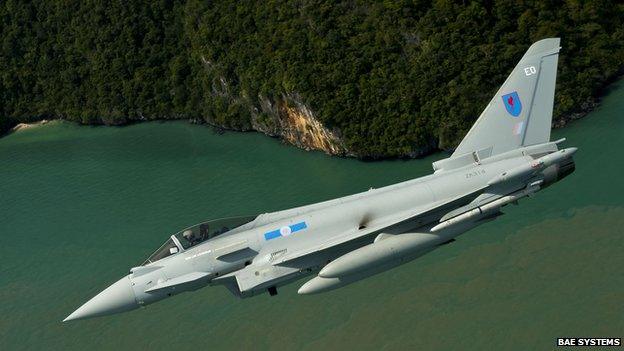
(79, 206)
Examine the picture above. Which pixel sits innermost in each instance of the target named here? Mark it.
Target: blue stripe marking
(293, 228)
(298, 226)
(272, 235)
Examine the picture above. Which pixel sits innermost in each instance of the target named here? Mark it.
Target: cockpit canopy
(197, 234)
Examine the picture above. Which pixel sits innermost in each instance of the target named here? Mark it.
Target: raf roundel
(285, 231)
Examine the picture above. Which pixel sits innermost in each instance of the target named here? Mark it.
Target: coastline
(427, 151)
(557, 123)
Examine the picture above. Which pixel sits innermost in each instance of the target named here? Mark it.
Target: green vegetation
(390, 77)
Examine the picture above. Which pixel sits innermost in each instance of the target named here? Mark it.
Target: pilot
(190, 237)
(204, 231)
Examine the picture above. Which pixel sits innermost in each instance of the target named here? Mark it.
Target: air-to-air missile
(506, 156)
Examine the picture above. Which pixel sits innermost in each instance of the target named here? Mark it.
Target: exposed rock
(293, 121)
(22, 126)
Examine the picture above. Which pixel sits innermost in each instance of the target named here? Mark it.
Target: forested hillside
(385, 79)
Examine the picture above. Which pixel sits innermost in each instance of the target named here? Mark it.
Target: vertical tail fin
(520, 113)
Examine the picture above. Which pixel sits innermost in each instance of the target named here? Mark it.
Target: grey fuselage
(325, 222)
(346, 239)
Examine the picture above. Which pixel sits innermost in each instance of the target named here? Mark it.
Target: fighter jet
(506, 156)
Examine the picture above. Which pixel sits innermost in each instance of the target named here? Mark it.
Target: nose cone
(118, 297)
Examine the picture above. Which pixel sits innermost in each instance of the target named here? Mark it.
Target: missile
(388, 248)
(488, 207)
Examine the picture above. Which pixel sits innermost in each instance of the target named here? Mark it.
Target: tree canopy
(389, 77)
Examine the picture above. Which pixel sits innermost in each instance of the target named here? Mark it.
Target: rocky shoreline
(294, 123)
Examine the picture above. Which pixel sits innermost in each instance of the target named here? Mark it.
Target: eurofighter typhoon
(507, 155)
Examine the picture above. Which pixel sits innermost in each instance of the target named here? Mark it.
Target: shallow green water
(80, 205)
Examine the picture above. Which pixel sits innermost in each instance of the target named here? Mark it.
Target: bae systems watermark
(589, 342)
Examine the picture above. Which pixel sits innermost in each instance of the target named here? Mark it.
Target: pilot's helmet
(188, 234)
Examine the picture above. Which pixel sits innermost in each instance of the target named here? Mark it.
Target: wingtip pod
(556, 157)
(528, 169)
